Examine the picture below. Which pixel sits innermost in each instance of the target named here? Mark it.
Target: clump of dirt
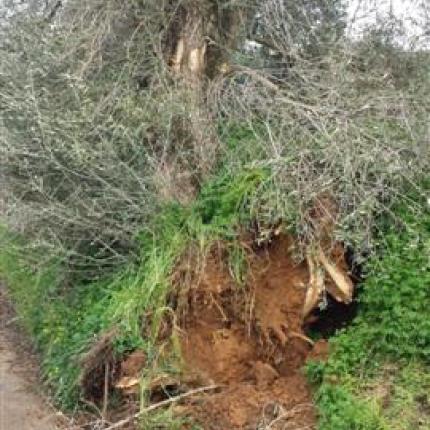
(250, 340)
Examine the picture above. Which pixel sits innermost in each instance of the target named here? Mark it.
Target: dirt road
(21, 408)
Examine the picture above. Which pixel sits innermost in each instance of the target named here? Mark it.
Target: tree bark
(200, 38)
(202, 34)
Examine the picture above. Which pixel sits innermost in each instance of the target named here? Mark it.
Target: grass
(377, 376)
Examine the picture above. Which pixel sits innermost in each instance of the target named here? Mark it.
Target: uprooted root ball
(250, 340)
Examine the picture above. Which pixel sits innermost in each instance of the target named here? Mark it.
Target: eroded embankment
(250, 340)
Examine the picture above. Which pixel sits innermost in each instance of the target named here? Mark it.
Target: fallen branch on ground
(158, 405)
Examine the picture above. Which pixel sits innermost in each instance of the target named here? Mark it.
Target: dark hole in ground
(335, 315)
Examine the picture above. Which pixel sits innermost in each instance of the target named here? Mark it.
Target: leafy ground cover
(377, 376)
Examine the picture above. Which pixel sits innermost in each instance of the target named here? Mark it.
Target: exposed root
(98, 352)
(341, 288)
(105, 392)
(303, 337)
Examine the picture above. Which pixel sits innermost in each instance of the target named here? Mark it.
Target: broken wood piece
(316, 285)
(131, 384)
(344, 287)
(128, 384)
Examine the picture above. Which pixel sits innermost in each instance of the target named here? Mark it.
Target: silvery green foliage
(94, 127)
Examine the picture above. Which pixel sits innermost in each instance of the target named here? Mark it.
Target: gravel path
(21, 408)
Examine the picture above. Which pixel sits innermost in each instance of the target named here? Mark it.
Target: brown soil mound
(250, 341)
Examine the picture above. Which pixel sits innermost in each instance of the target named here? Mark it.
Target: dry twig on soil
(158, 405)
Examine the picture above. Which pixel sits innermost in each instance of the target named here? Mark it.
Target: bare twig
(158, 405)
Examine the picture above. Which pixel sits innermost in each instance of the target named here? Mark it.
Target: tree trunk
(201, 36)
